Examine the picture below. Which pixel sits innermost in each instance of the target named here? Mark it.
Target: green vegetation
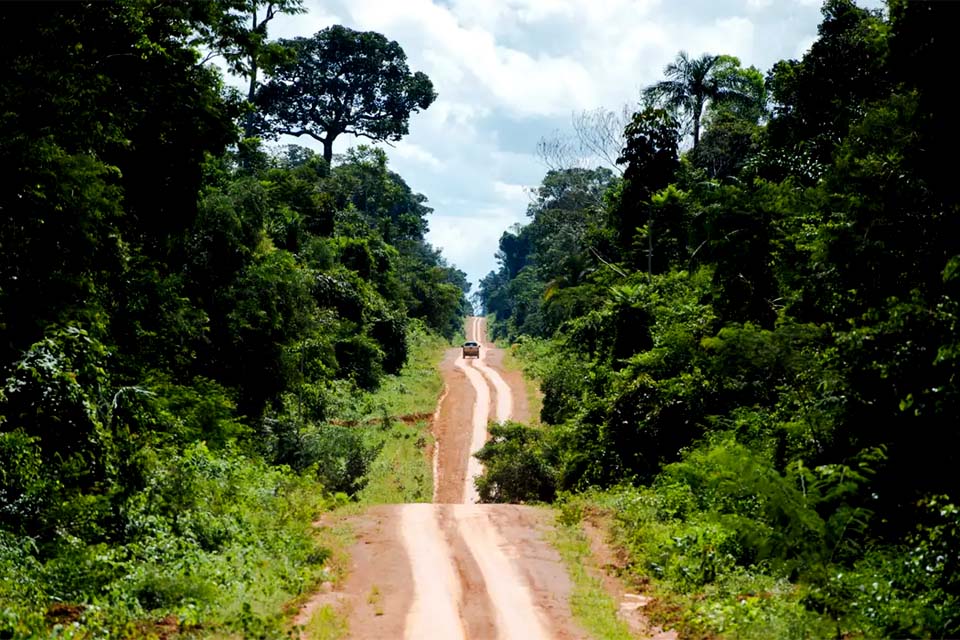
(211, 539)
(310, 89)
(747, 350)
(517, 466)
(402, 472)
(191, 324)
(325, 624)
(399, 472)
(591, 605)
(414, 391)
(531, 383)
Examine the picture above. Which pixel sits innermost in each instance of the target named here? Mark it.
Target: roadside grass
(416, 388)
(400, 473)
(513, 362)
(590, 604)
(336, 534)
(525, 357)
(240, 549)
(325, 624)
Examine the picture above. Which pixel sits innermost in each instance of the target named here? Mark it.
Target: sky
(509, 73)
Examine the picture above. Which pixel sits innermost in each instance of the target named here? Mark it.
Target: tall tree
(691, 84)
(237, 31)
(816, 99)
(343, 81)
(650, 156)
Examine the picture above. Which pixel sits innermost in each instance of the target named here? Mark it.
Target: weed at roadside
(591, 605)
(325, 624)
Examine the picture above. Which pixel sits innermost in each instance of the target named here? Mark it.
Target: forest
(187, 314)
(744, 324)
(745, 331)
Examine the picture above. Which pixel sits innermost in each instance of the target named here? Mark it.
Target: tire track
(478, 426)
(466, 575)
(502, 390)
(513, 607)
(485, 382)
(435, 612)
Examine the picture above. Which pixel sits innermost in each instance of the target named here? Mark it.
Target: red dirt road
(455, 569)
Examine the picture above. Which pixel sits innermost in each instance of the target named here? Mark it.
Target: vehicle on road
(471, 349)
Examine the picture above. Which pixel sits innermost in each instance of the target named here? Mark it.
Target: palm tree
(692, 83)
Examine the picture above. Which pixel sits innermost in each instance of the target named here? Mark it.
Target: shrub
(518, 466)
(340, 457)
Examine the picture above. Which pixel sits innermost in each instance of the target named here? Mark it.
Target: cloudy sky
(511, 72)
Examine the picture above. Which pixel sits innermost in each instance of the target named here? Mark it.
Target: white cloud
(471, 237)
(415, 153)
(803, 47)
(515, 194)
(507, 71)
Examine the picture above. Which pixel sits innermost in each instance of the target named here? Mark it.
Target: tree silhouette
(692, 83)
(343, 81)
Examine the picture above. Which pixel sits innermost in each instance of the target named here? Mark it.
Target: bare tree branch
(615, 268)
(600, 133)
(597, 139)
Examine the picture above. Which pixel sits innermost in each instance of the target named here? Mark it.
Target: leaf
(950, 271)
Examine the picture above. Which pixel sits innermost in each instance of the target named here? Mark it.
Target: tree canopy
(185, 318)
(343, 81)
(758, 359)
(691, 84)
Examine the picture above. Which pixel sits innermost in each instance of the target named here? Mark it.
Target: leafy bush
(340, 457)
(214, 537)
(517, 466)
(360, 359)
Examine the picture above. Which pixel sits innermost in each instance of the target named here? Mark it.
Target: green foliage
(59, 448)
(359, 358)
(818, 97)
(342, 81)
(201, 411)
(544, 263)
(518, 466)
(759, 358)
(186, 318)
(340, 455)
(728, 144)
(218, 538)
(693, 84)
(590, 602)
(401, 472)
(650, 156)
(415, 388)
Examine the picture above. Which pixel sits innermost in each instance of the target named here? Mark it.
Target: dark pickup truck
(471, 349)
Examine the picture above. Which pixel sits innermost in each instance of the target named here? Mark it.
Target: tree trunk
(328, 149)
(249, 128)
(697, 112)
(248, 121)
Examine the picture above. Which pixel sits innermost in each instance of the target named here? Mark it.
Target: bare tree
(597, 139)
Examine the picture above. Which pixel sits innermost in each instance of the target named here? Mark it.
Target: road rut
(456, 569)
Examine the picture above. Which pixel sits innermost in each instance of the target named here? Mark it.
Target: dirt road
(455, 569)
